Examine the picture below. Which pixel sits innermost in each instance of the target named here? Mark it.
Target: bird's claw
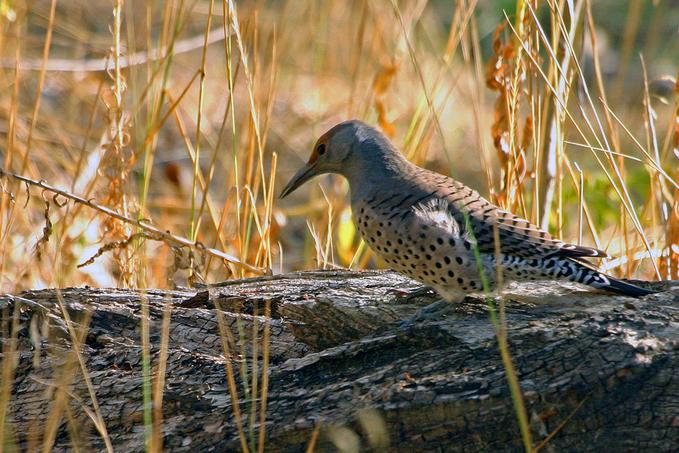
(432, 312)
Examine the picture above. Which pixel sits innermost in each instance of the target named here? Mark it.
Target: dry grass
(150, 139)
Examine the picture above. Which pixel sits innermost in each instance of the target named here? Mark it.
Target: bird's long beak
(303, 175)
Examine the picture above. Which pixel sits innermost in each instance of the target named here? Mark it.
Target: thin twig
(100, 64)
(164, 235)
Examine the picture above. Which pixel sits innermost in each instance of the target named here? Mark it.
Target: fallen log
(597, 372)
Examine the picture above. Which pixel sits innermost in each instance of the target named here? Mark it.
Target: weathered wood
(604, 367)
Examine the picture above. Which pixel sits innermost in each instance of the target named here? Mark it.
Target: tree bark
(597, 372)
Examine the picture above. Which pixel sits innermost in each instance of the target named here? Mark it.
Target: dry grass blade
(543, 443)
(159, 383)
(265, 376)
(96, 417)
(128, 134)
(500, 328)
(616, 165)
(420, 76)
(622, 192)
(9, 363)
(67, 374)
(311, 447)
(226, 338)
(251, 97)
(41, 82)
(164, 235)
(193, 231)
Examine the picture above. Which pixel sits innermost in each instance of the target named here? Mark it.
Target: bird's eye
(320, 149)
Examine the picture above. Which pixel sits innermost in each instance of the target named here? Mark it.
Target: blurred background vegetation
(188, 116)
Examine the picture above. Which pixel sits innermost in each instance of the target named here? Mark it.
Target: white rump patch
(435, 212)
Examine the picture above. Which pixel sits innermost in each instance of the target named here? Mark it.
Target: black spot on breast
(440, 241)
(459, 260)
(451, 242)
(439, 265)
(432, 248)
(451, 274)
(446, 259)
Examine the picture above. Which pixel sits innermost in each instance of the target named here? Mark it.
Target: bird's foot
(432, 312)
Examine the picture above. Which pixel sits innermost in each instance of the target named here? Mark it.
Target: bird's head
(332, 153)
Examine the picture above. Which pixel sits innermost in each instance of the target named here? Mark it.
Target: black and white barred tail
(556, 267)
(581, 273)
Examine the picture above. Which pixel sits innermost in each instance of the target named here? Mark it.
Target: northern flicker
(437, 230)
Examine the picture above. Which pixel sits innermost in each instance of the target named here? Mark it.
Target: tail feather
(627, 289)
(591, 277)
(578, 251)
(575, 269)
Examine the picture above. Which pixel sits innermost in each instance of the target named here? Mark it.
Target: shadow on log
(598, 372)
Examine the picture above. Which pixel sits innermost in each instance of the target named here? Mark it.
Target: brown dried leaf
(497, 68)
(46, 232)
(387, 127)
(385, 76)
(381, 84)
(501, 76)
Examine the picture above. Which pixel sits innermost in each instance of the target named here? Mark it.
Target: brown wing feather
(517, 236)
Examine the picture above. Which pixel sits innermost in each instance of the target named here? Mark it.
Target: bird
(437, 230)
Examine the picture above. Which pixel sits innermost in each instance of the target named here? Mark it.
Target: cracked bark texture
(598, 372)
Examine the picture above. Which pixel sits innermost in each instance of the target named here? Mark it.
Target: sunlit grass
(148, 139)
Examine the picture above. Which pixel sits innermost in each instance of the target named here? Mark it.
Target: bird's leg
(434, 311)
